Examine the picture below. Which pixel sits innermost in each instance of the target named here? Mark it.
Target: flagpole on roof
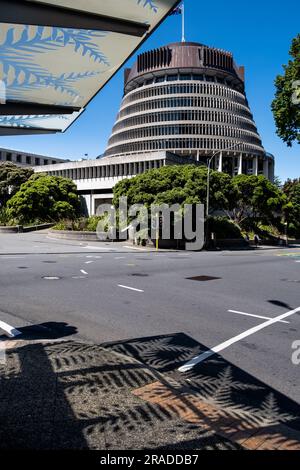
(183, 21)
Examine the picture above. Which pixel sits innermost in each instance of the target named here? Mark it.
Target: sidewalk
(70, 395)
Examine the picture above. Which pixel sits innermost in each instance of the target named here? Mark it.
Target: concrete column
(220, 165)
(255, 166)
(266, 168)
(240, 165)
(272, 171)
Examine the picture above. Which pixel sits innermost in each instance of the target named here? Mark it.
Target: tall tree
(44, 198)
(292, 209)
(258, 199)
(11, 179)
(286, 105)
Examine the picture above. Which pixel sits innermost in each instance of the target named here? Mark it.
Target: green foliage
(292, 209)
(285, 109)
(11, 179)
(44, 198)
(178, 184)
(257, 198)
(83, 224)
(224, 228)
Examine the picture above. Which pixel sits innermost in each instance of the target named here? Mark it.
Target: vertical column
(266, 167)
(272, 171)
(240, 165)
(255, 166)
(220, 165)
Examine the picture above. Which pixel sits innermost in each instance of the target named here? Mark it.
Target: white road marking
(78, 277)
(89, 247)
(255, 316)
(51, 278)
(120, 257)
(188, 366)
(12, 257)
(134, 248)
(84, 272)
(89, 262)
(10, 330)
(95, 257)
(130, 288)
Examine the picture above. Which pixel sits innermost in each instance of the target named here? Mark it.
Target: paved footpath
(57, 394)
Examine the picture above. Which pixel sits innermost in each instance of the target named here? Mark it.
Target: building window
(28, 160)
(19, 159)
(37, 161)
(8, 157)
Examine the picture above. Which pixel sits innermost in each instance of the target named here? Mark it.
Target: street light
(208, 176)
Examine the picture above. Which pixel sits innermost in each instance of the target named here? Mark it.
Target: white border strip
(234, 340)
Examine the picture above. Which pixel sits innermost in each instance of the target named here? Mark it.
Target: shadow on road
(48, 330)
(128, 395)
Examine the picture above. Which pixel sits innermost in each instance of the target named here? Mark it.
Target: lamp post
(208, 180)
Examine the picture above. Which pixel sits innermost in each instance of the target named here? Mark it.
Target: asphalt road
(110, 292)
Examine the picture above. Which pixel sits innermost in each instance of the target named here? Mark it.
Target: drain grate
(203, 278)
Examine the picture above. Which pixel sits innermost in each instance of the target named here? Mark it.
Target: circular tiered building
(189, 99)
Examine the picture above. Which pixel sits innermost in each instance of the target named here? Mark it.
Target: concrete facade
(26, 158)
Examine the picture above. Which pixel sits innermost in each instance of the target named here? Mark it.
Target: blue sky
(259, 34)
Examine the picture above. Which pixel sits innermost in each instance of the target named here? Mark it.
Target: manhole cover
(51, 278)
(203, 278)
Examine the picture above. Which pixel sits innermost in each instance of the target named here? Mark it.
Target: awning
(55, 56)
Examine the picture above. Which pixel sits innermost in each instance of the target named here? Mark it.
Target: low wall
(21, 229)
(8, 229)
(79, 236)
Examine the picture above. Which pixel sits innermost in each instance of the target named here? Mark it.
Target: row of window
(108, 171)
(184, 129)
(25, 159)
(188, 115)
(187, 102)
(175, 145)
(180, 89)
(190, 76)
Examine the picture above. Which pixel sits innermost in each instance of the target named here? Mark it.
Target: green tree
(286, 105)
(258, 200)
(44, 198)
(177, 184)
(11, 179)
(292, 209)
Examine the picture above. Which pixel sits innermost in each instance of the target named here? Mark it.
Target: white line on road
(130, 288)
(10, 330)
(89, 262)
(84, 272)
(255, 316)
(135, 248)
(235, 339)
(120, 257)
(94, 257)
(89, 247)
